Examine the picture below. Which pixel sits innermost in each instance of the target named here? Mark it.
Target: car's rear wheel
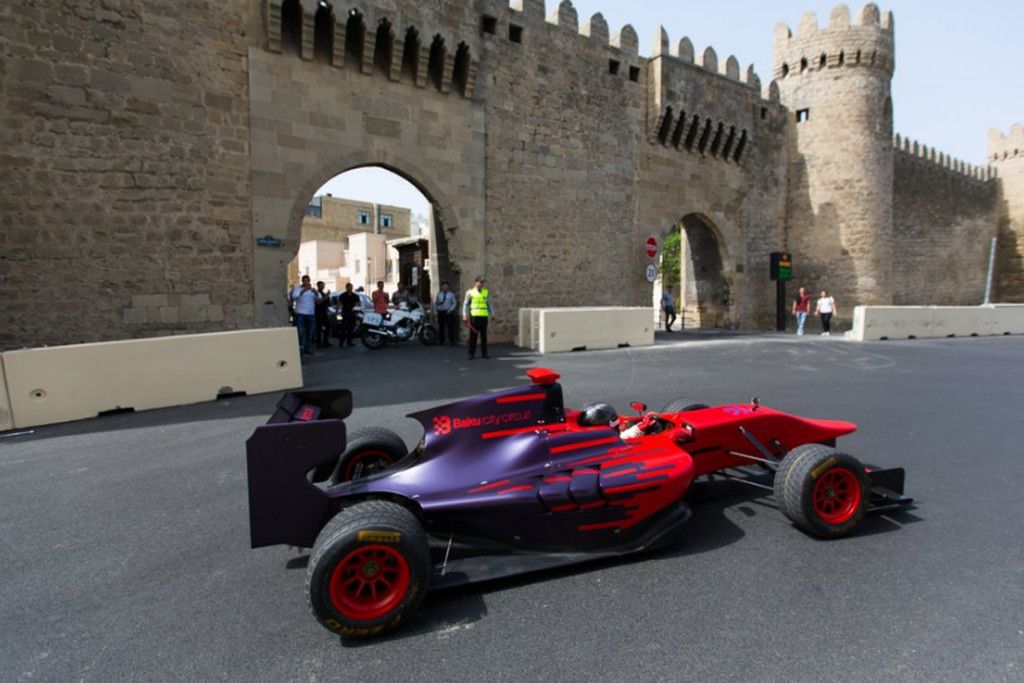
(369, 451)
(682, 405)
(822, 490)
(369, 569)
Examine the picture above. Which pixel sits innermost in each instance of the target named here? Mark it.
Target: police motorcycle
(403, 323)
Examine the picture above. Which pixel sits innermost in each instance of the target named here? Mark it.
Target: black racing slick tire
(373, 339)
(369, 570)
(428, 335)
(822, 490)
(369, 450)
(682, 405)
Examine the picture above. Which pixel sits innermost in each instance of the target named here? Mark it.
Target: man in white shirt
(444, 306)
(304, 298)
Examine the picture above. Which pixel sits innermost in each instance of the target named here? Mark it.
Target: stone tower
(836, 83)
(1006, 153)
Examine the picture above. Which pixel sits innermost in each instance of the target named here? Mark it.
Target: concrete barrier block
(565, 329)
(6, 420)
(524, 335)
(535, 328)
(902, 322)
(1008, 319)
(62, 383)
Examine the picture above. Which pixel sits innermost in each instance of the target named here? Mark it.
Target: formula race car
(512, 482)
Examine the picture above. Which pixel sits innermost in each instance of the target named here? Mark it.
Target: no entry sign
(652, 246)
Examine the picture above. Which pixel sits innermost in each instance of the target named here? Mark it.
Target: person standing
(401, 296)
(348, 301)
(826, 308)
(305, 298)
(444, 307)
(668, 307)
(323, 320)
(476, 311)
(801, 306)
(380, 299)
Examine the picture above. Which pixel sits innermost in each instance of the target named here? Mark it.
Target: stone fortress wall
(147, 146)
(1006, 154)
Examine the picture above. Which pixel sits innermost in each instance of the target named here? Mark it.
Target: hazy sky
(958, 66)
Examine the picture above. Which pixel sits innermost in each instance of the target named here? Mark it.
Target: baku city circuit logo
(442, 425)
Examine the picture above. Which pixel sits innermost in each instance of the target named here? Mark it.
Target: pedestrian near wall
(444, 307)
(801, 306)
(476, 312)
(668, 307)
(304, 298)
(826, 308)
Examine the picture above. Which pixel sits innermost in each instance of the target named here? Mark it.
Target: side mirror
(637, 406)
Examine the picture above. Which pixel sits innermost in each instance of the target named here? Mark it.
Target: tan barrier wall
(922, 322)
(6, 421)
(606, 327)
(61, 383)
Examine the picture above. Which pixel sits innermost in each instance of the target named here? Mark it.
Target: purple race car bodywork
(509, 482)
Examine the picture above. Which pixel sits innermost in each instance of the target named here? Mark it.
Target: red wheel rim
(369, 582)
(366, 462)
(836, 495)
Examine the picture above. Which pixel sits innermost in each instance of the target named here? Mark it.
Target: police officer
(476, 311)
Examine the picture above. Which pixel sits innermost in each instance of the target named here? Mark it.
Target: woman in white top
(826, 308)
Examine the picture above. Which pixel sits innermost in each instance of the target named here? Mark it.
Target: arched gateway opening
(704, 291)
(691, 264)
(370, 224)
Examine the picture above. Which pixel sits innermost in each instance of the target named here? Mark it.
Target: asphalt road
(125, 539)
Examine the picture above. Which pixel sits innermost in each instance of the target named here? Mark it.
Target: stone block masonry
(145, 145)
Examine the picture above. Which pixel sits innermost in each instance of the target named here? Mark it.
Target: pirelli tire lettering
(368, 569)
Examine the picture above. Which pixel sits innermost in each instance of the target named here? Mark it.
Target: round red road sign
(652, 246)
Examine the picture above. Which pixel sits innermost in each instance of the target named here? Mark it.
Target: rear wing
(305, 434)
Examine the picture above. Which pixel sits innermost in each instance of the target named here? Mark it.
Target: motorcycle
(401, 325)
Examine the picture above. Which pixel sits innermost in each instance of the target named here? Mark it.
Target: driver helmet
(598, 414)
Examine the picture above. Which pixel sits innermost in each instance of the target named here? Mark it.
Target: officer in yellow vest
(476, 311)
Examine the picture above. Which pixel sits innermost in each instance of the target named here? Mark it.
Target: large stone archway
(310, 122)
(706, 291)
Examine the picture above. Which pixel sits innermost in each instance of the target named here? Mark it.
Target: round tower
(1006, 155)
(835, 81)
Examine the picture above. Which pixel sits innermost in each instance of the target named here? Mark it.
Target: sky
(958, 66)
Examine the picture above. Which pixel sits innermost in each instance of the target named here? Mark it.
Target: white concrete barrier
(6, 421)
(61, 383)
(605, 327)
(524, 335)
(922, 322)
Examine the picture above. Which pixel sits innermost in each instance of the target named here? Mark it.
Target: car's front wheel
(369, 569)
(822, 490)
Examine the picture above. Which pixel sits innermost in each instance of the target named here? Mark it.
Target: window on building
(385, 220)
(634, 73)
(803, 115)
(489, 24)
(515, 33)
(314, 210)
(613, 66)
(357, 267)
(363, 217)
